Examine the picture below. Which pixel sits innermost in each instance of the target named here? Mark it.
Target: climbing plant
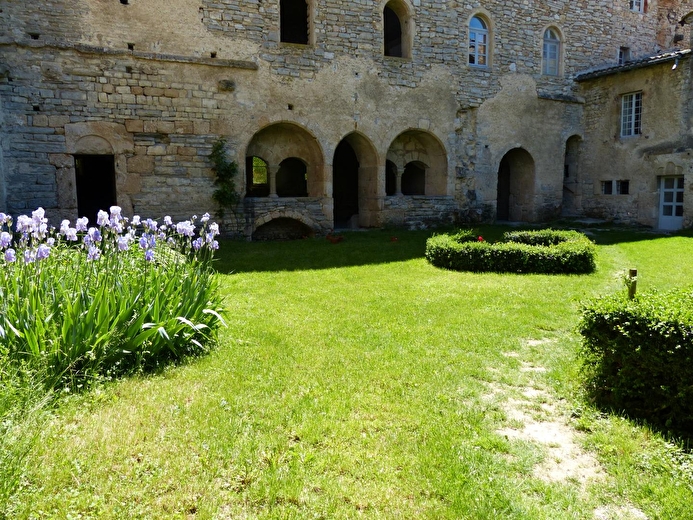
(225, 195)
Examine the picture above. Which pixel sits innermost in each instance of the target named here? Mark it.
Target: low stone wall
(314, 212)
(419, 211)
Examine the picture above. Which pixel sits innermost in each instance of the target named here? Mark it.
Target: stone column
(272, 178)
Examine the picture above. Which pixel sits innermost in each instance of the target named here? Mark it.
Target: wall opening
(571, 198)
(256, 177)
(292, 178)
(283, 228)
(515, 187)
(96, 187)
(393, 33)
(293, 21)
(345, 185)
(390, 178)
(414, 178)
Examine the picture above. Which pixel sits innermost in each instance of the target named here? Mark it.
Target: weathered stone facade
(414, 140)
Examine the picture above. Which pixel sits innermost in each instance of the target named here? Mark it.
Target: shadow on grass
(381, 246)
(356, 248)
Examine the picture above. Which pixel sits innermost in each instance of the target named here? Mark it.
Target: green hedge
(546, 251)
(639, 355)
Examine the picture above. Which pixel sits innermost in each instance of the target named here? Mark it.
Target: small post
(632, 283)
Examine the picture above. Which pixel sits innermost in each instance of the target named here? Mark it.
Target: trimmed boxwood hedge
(546, 251)
(639, 356)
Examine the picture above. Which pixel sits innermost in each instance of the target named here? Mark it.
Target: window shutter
(644, 6)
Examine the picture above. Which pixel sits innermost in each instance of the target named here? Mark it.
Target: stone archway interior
(515, 200)
(424, 156)
(288, 142)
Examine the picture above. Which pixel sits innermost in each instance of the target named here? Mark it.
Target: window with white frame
(631, 114)
(623, 55)
(637, 6)
(622, 187)
(551, 53)
(478, 42)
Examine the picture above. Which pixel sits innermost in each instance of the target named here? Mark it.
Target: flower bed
(82, 302)
(546, 251)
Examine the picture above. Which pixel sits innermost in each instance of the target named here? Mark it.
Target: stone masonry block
(134, 125)
(140, 164)
(58, 121)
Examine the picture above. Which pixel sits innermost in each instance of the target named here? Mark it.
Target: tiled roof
(634, 64)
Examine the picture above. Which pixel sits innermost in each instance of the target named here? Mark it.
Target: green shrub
(638, 355)
(546, 252)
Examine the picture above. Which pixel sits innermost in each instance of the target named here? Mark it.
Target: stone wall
(169, 78)
(663, 147)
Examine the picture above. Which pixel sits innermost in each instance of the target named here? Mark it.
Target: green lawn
(356, 380)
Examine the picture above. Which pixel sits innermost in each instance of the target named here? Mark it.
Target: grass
(357, 380)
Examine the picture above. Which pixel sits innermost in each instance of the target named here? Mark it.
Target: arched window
(478, 42)
(398, 29)
(294, 26)
(551, 53)
(292, 179)
(393, 33)
(414, 179)
(390, 178)
(257, 177)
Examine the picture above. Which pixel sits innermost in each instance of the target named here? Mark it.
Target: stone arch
(279, 141)
(398, 28)
(423, 148)
(285, 221)
(516, 178)
(355, 180)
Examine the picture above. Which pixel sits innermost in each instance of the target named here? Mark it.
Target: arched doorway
(571, 197)
(515, 198)
(345, 185)
(355, 183)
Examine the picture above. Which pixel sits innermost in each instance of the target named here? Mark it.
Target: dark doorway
(390, 178)
(571, 199)
(345, 184)
(292, 180)
(503, 204)
(515, 200)
(414, 179)
(95, 180)
(293, 21)
(393, 33)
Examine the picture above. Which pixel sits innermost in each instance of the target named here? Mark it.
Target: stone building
(351, 113)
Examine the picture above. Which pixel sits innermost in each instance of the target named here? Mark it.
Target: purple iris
(10, 256)
(123, 243)
(5, 239)
(43, 252)
(94, 253)
(81, 224)
(101, 218)
(149, 255)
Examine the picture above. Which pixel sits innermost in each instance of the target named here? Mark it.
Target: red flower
(480, 238)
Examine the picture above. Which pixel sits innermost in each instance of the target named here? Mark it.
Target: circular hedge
(545, 251)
